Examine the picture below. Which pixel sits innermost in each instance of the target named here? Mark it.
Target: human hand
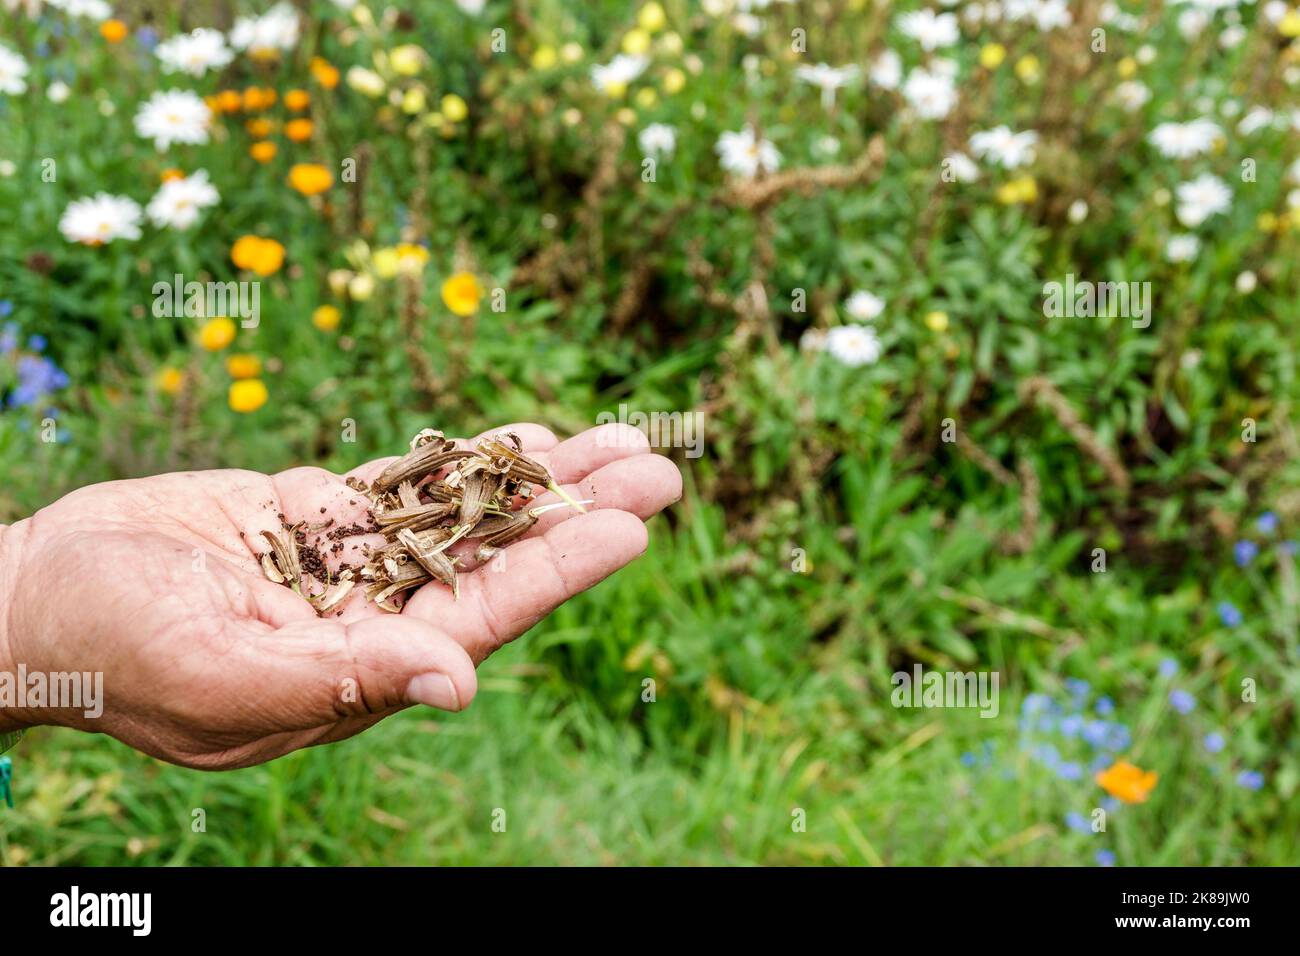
(156, 583)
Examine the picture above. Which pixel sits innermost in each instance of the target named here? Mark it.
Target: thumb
(316, 672)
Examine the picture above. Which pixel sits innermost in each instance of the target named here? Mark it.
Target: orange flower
(258, 98)
(258, 128)
(326, 74)
(243, 365)
(229, 101)
(263, 256)
(310, 178)
(169, 380)
(171, 174)
(461, 293)
(298, 130)
(247, 395)
(263, 152)
(297, 100)
(326, 317)
(1127, 782)
(114, 31)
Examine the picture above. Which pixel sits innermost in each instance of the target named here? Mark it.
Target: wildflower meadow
(971, 327)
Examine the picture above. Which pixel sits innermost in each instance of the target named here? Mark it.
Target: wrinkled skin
(156, 583)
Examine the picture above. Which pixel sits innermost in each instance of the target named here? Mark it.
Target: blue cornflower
(1118, 737)
(1100, 763)
(1105, 858)
(1077, 822)
(1182, 701)
(1229, 614)
(1072, 725)
(1070, 770)
(1290, 547)
(1111, 804)
(1244, 552)
(1047, 755)
(147, 37)
(42, 49)
(1168, 667)
(8, 338)
(967, 759)
(1214, 742)
(1266, 523)
(1250, 779)
(37, 343)
(6, 308)
(1105, 706)
(1034, 703)
(1094, 732)
(1078, 689)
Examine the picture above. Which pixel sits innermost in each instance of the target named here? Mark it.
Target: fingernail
(433, 690)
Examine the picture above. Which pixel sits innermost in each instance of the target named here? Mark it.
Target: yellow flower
(258, 128)
(454, 108)
(384, 262)
(361, 287)
(651, 17)
(1027, 68)
(326, 318)
(310, 178)
(297, 100)
(263, 151)
(1127, 68)
(243, 365)
(326, 74)
(937, 321)
(413, 101)
(544, 58)
(461, 293)
(411, 258)
(1289, 25)
(1023, 189)
(258, 98)
(1266, 222)
(171, 174)
(169, 380)
(626, 116)
(247, 395)
(646, 97)
(636, 42)
(366, 82)
(406, 60)
(230, 101)
(992, 55)
(674, 81)
(298, 130)
(1127, 782)
(263, 256)
(217, 334)
(114, 31)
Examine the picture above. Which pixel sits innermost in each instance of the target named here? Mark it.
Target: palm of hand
(156, 583)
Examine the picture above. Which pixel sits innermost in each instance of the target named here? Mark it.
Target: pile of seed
(423, 503)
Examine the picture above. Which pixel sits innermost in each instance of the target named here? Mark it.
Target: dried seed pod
(431, 557)
(517, 527)
(284, 555)
(420, 518)
(523, 468)
(333, 596)
(417, 465)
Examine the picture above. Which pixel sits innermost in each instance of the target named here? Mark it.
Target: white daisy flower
(931, 30)
(1132, 95)
(887, 71)
(58, 92)
(194, 53)
(1201, 198)
(179, 201)
(1246, 282)
(267, 35)
(1182, 248)
(13, 72)
(96, 220)
(97, 10)
(1185, 140)
(960, 168)
(853, 345)
(173, 116)
(1000, 145)
(1256, 119)
(618, 72)
(472, 7)
(1191, 23)
(657, 139)
(931, 95)
(828, 79)
(862, 306)
(744, 154)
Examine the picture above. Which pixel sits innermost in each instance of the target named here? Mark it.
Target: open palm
(156, 583)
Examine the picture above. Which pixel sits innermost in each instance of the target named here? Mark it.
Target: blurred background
(821, 230)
